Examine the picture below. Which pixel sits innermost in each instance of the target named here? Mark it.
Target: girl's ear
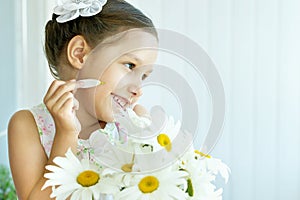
(77, 51)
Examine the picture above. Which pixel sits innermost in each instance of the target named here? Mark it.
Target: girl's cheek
(135, 99)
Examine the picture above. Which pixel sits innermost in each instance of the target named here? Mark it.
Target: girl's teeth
(120, 101)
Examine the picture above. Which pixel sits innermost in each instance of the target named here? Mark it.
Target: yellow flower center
(148, 184)
(164, 141)
(202, 154)
(88, 178)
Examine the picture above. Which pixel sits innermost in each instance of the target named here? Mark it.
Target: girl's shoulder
(22, 130)
(21, 119)
(36, 122)
(23, 124)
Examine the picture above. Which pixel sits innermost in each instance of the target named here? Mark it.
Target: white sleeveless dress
(46, 129)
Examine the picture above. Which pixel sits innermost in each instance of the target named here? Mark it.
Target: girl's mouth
(122, 102)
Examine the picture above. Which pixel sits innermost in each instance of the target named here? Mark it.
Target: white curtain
(33, 74)
(255, 45)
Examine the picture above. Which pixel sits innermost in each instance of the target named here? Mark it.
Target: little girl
(80, 43)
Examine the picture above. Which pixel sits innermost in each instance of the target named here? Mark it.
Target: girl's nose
(135, 91)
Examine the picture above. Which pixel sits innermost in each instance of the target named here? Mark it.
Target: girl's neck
(88, 124)
(86, 114)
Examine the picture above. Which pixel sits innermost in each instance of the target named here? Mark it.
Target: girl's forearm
(37, 193)
(61, 143)
(60, 146)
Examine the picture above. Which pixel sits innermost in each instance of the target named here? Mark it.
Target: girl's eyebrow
(132, 56)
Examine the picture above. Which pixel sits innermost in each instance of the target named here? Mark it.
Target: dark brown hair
(116, 16)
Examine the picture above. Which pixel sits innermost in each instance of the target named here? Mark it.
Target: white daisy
(197, 159)
(214, 165)
(80, 179)
(104, 153)
(158, 138)
(165, 137)
(162, 185)
(140, 128)
(168, 146)
(202, 169)
(200, 186)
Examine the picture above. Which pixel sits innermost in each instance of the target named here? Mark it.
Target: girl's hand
(141, 111)
(62, 105)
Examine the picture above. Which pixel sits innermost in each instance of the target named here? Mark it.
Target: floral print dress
(46, 129)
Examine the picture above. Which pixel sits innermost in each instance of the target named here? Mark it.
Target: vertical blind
(255, 45)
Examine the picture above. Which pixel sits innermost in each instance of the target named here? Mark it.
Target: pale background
(255, 45)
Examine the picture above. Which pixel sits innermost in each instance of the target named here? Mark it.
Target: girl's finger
(141, 111)
(76, 104)
(53, 87)
(61, 101)
(67, 106)
(61, 90)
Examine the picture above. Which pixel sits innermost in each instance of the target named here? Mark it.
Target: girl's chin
(114, 114)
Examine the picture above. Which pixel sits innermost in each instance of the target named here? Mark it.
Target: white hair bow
(71, 9)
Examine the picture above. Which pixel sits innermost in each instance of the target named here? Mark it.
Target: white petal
(95, 192)
(106, 186)
(86, 194)
(108, 171)
(65, 188)
(128, 192)
(64, 195)
(175, 192)
(52, 183)
(85, 163)
(224, 171)
(54, 168)
(70, 155)
(162, 195)
(76, 195)
(67, 163)
(61, 178)
(49, 183)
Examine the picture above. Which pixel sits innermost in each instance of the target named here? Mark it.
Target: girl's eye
(130, 65)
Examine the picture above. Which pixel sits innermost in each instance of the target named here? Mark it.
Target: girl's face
(131, 61)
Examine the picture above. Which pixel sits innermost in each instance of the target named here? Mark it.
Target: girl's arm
(27, 155)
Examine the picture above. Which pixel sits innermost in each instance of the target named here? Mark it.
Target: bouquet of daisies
(156, 161)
